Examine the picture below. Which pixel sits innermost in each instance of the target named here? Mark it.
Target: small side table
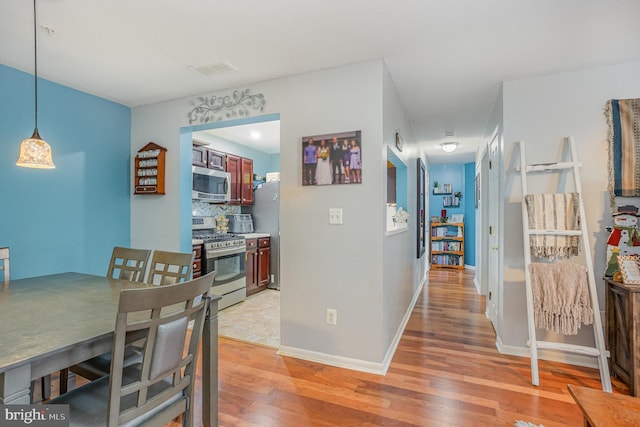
(601, 409)
(623, 332)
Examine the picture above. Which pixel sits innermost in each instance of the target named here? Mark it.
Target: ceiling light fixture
(255, 135)
(449, 147)
(34, 151)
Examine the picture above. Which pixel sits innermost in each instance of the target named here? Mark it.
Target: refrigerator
(266, 219)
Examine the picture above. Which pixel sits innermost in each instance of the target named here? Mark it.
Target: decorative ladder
(599, 350)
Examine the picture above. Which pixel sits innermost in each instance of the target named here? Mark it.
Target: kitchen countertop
(254, 235)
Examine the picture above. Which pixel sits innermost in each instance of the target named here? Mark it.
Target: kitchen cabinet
(246, 182)
(234, 168)
(149, 170)
(199, 156)
(241, 171)
(257, 264)
(216, 160)
(447, 245)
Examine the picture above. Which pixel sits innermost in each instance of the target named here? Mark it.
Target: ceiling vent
(209, 70)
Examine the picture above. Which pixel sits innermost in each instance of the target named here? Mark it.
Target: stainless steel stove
(225, 254)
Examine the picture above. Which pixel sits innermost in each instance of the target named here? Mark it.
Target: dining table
(52, 322)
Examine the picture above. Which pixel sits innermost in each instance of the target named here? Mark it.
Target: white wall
(404, 273)
(541, 111)
(323, 266)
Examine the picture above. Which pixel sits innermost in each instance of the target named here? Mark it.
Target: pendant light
(34, 151)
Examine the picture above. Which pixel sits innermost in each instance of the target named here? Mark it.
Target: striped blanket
(559, 211)
(623, 118)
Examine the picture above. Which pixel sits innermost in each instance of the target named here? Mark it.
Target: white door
(493, 231)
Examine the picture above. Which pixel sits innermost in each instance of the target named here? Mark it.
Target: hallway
(446, 372)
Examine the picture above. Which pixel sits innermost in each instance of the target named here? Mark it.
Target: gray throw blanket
(557, 211)
(560, 297)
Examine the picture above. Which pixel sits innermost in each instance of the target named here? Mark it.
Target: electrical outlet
(332, 316)
(273, 278)
(335, 216)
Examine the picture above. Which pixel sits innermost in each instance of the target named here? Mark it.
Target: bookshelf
(447, 245)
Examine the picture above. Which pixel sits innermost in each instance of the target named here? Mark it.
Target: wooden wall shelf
(149, 170)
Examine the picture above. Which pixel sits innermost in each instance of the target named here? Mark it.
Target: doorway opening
(253, 142)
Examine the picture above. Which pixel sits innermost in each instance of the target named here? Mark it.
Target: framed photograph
(630, 269)
(457, 218)
(435, 219)
(421, 229)
(332, 159)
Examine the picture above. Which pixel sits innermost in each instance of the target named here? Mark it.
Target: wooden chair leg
(64, 378)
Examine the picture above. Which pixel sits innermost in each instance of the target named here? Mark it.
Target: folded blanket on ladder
(561, 301)
(553, 212)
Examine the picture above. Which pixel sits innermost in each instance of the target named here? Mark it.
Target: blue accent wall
(461, 177)
(68, 218)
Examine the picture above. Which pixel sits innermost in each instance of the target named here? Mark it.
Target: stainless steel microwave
(210, 185)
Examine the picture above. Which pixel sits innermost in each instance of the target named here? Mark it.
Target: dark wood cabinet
(257, 264)
(623, 332)
(235, 169)
(246, 182)
(197, 261)
(241, 171)
(199, 156)
(264, 259)
(216, 160)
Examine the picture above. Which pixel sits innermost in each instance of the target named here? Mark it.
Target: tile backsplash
(206, 209)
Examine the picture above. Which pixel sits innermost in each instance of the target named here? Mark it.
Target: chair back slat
(128, 264)
(168, 268)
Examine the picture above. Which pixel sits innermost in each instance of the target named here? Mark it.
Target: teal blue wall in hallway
(68, 218)
(461, 177)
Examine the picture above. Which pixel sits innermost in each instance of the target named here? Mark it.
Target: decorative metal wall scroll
(216, 108)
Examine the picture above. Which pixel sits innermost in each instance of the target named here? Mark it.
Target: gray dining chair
(4, 266)
(166, 268)
(160, 387)
(128, 264)
(170, 267)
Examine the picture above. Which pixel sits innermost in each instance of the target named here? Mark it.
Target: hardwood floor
(446, 372)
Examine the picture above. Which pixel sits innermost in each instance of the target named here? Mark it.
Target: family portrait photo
(332, 159)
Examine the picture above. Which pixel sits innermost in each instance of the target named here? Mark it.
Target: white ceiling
(446, 58)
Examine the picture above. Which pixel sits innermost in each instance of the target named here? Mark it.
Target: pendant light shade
(34, 151)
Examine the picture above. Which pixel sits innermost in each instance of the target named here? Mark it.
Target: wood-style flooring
(445, 372)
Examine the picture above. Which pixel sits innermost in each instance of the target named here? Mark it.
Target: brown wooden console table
(623, 332)
(601, 409)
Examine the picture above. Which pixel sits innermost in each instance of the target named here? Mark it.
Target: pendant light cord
(35, 59)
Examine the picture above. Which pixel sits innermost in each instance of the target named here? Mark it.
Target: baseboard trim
(357, 364)
(550, 355)
(333, 360)
(476, 283)
(398, 336)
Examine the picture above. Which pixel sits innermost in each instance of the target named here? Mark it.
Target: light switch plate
(335, 216)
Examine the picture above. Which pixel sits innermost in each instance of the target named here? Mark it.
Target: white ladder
(599, 350)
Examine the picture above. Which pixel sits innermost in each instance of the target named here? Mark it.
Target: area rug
(623, 118)
(526, 424)
(255, 320)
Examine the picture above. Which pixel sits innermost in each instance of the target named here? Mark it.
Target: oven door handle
(219, 252)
